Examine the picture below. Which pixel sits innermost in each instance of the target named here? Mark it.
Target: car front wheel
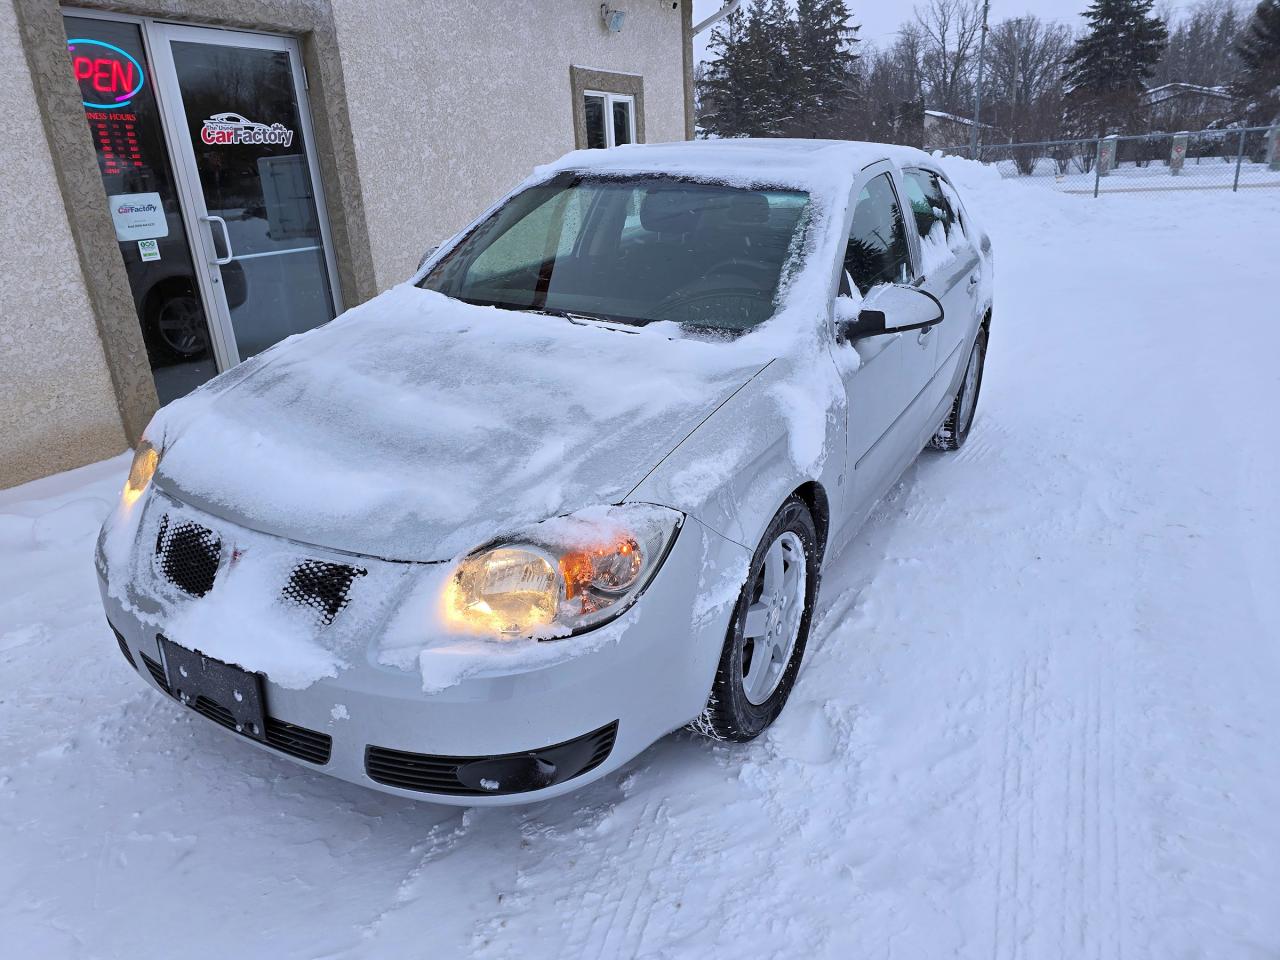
(955, 429)
(767, 636)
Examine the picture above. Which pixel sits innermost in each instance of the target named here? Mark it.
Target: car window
(877, 250)
(632, 249)
(929, 203)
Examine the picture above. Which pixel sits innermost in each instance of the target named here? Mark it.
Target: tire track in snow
(618, 926)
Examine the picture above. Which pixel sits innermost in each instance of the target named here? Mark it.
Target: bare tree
(1025, 69)
(950, 30)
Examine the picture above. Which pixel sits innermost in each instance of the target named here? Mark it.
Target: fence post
(1178, 153)
(1273, 146)
(1235, 187)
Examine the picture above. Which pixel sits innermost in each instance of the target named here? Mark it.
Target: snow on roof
(1167, 91)
(954, 118)
(802, 164)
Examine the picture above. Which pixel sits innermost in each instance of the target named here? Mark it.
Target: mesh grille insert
(187, 555)
(322, 586)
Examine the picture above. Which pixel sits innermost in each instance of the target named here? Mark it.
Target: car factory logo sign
(228, 128)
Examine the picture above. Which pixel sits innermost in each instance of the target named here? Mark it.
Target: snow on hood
(415, 426)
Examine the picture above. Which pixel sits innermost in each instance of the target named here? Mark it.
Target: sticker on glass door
(231, 128)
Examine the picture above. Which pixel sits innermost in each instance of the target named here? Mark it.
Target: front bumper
(583, 717)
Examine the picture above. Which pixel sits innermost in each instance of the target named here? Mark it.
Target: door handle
(973, 280)
(923, 335)
(226, 239)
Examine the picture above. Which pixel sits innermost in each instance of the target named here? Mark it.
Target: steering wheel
(710, 288)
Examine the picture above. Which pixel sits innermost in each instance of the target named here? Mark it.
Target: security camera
(613, 19)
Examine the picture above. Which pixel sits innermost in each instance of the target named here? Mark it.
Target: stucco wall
(57, 405)
(452, 103)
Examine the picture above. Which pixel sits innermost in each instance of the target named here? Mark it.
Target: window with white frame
(610, 118)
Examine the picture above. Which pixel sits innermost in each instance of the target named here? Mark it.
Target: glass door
(240, 135)
(109, 61)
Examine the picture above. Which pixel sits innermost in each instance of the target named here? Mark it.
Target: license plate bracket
(198, 681)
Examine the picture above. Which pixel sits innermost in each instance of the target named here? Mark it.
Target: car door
(883, 375)
(950, 269)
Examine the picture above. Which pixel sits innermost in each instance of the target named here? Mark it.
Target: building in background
(1171, 107)
(190, 182)
(944, 131)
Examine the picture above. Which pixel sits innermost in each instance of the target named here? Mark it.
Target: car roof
(746, 159)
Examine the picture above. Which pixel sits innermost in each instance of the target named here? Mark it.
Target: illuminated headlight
(562, 576)
(145, 461)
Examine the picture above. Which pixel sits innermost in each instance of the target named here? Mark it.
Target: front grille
(124, 646)
(321, 585)
(187, 555)
(437, 774)
(296, 741)
(288, 738)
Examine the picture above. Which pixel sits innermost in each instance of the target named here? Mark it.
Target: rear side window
(929, 203)
(877, 250)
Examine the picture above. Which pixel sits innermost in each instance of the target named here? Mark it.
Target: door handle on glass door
(226, 239)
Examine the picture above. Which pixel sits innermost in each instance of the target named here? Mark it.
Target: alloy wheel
(772, 621)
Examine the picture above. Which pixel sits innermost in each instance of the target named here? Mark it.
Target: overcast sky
(880, 19)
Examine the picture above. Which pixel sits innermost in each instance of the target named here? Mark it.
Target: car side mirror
(427, 256)
(888, 309)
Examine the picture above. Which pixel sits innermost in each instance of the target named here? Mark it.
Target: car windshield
(632, 250)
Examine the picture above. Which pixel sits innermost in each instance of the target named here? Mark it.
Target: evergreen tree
(1259, 52)
(1108, 68)
(779, 72)
(823, 67)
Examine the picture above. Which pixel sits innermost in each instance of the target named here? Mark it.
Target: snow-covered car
(488, 536)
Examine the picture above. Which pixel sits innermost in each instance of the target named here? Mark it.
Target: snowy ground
(1039, 716)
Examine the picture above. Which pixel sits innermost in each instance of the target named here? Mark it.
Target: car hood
(415, 427)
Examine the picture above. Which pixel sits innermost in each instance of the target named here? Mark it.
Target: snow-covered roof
(799, 163)
(1167, 91)
(954, 118)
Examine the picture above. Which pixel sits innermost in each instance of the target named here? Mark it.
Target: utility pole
(977, 95)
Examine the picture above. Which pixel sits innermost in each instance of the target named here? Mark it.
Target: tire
(176, 325)
(955, 429)
(748, 694)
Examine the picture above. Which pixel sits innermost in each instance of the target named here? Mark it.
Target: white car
(486, 537)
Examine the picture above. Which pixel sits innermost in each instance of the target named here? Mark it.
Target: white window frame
(609, 100)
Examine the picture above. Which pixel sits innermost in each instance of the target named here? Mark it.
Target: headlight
(562, 576)
(145, 461)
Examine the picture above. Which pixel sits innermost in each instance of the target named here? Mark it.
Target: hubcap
(772, 623)
(969, 393)
(179, 323)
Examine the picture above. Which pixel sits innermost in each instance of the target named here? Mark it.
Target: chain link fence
(1234, 159)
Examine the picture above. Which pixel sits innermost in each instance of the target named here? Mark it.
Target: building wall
(59, 408)
(452, 104)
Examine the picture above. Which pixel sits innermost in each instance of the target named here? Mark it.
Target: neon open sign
(113, 75)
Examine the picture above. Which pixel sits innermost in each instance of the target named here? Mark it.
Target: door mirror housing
(889, 309)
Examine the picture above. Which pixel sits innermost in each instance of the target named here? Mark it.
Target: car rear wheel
(770, 627)
(955, 429)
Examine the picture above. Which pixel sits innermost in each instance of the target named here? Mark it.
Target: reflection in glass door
(240, 132)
